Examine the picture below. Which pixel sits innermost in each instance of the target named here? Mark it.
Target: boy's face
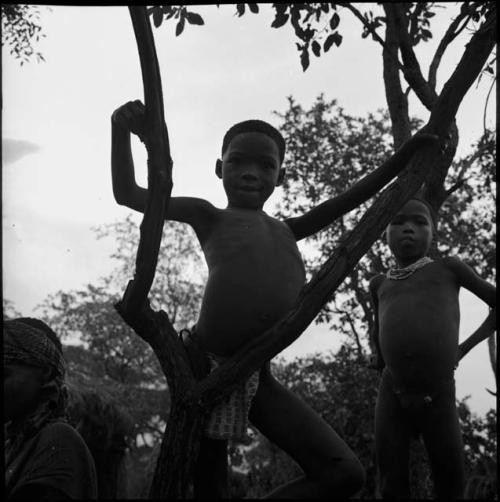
(250, 170)
(409, 234)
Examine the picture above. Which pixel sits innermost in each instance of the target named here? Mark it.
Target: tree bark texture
(191, 399)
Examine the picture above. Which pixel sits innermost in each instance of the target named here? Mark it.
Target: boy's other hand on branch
(131, 117)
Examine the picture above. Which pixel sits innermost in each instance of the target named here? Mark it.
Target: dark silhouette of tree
(192, 400)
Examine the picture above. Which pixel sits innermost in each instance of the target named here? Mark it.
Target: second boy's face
(410, 232)
(250, 170)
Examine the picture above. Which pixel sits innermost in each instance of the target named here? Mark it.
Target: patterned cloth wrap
(229, 418)
(25, 344)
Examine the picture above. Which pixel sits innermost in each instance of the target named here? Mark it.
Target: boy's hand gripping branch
(153, 132)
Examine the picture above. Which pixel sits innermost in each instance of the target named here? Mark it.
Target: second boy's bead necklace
(402, 273)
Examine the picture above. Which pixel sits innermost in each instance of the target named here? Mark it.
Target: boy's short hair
(255, 125)
(429, 207)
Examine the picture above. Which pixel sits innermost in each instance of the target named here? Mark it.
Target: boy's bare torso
(418, 325)
(255, 276)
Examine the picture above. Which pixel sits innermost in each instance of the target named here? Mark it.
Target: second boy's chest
(432, 286)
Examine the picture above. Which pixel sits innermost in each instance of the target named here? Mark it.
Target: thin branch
(411, 71)
(354, 330)
(486, 104)
(456, 186)
(466, 72)
(370, 29)
(451, 33)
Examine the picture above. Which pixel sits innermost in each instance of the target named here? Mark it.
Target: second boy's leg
(443, 440)
(331, 468)
(392, 442)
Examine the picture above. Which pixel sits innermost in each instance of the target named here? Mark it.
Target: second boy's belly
(420, 344)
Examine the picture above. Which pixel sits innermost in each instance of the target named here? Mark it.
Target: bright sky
(56, 135)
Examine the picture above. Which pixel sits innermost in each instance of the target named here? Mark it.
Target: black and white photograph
(249, 251)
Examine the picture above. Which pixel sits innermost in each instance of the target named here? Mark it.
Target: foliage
(21, 29)
(106, 429)
(470, 208)
(114, 364)
(9, 310)
(316, 25)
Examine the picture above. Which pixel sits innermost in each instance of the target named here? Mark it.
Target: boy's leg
(443, 441)
(392, 442)
(331, 468)
(211, 470)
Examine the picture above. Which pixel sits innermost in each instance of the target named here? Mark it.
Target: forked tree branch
(190, 399)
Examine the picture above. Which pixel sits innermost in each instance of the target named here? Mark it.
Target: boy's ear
(218, 168)
(281, 175)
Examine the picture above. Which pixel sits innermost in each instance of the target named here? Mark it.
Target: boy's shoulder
(451, 263)
(375, 282)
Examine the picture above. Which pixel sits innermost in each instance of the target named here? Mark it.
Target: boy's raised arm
(328, 211)
(125, 190)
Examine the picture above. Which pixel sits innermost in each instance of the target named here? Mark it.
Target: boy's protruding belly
(247, 295)
(419, 349)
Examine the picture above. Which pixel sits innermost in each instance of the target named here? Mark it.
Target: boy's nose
(249, 175)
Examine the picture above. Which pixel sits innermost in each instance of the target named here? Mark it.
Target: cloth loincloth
(229, 418)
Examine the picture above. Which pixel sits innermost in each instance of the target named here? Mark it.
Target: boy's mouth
(407, 239)
(249, 188)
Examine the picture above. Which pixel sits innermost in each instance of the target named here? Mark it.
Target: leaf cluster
(160, 13)
(21, 29)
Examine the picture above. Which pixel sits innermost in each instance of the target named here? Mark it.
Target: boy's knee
(344, 478)
(354, 474)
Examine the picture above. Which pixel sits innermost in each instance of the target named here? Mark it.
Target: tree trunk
(179, 450)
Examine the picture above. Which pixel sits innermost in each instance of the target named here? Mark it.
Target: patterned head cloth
(29, 341)
(25, 344)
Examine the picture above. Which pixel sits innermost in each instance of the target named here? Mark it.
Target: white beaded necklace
(397, 274)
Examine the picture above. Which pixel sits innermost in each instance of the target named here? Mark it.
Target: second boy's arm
(325, 213)
(471, 281)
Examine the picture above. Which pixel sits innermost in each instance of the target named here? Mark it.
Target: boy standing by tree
(415, 338)
(255, 276)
